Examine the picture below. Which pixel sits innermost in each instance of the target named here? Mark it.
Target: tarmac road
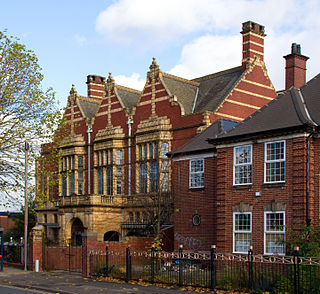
(14, 290)
(73, 283)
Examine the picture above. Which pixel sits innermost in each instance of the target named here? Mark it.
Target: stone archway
(77, 229)
(111, 236)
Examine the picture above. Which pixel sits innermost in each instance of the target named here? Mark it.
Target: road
(14, 290)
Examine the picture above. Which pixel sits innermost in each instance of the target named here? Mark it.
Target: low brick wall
(63, 258)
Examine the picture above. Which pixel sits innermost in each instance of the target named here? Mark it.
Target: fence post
(107, 261)
(89, 242)
(1, 249)
(213, 268)
(152, 263)
(296, 270)
(128, 264)
(180, 265)
(250, 262)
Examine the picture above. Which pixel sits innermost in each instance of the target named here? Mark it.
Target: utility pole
(26, 149)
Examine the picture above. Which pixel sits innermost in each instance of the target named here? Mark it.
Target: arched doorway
(76, 232)
(111, 236)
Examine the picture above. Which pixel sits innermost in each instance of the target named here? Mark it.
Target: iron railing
(275, 274)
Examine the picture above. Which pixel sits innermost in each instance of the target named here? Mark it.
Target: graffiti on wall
(190, 243)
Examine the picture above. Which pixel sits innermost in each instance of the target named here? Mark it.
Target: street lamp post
(26, 149)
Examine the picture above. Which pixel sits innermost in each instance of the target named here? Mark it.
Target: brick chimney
(295, 67)
(96, 86)
(252, 42)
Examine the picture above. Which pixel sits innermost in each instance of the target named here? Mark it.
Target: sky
(188, 38)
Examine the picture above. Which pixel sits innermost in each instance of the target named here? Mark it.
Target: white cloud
(153, 20)
(208, 54)
(210, 30)
(134, 81)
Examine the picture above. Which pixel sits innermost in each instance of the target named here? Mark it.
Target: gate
(65, 257)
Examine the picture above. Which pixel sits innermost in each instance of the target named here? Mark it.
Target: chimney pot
(295, 67)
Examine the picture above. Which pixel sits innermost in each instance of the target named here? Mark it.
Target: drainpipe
(308, 219)
(129, 123)
(89, 131)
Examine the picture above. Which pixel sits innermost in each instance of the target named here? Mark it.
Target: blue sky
(189, 38)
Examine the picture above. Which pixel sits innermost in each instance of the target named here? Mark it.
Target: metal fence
(13, 252)
(254, 273)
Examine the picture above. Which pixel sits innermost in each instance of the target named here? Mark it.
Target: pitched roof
(311, 94)
(184, 90)
(215, 87)
(199, 143)
(293, 109)
(128, 96)
(88, 106)
(203, 93)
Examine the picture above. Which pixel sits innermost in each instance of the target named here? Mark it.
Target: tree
(153, 199)
(307, 238)
(18, 230)
(27, 113)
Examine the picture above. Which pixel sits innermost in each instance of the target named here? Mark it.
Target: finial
(110, 78)
(73, 90)
(154, 64)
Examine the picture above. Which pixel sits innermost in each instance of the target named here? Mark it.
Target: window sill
(274, 185)
(196, 189)
(273, 254)
(236, 252)
(242, 187)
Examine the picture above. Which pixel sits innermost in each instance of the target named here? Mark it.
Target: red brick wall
(6, 222)
(189, 202)
(57, 258)
(292, 193)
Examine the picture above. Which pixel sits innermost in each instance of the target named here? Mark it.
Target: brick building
(114, 175)
(257, 178)
(7, 220)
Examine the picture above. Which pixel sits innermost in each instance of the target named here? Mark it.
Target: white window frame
(240, 231)
(235, 165)
(119, 155)
(283, 232)
(274, 161)
(197, 173)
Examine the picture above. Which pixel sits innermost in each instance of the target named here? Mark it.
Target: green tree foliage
(18, 230)
(27, 112)
(307, 238)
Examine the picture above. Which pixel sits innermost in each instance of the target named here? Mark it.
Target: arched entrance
(76, 232)
(111, 236)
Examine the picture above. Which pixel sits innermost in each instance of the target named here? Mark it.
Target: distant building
(7, 220)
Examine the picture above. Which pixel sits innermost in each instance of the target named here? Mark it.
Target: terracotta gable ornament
(154, 69)
(110, 84)
(73, 90)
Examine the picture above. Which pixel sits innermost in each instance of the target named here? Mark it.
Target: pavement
(73, 283)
